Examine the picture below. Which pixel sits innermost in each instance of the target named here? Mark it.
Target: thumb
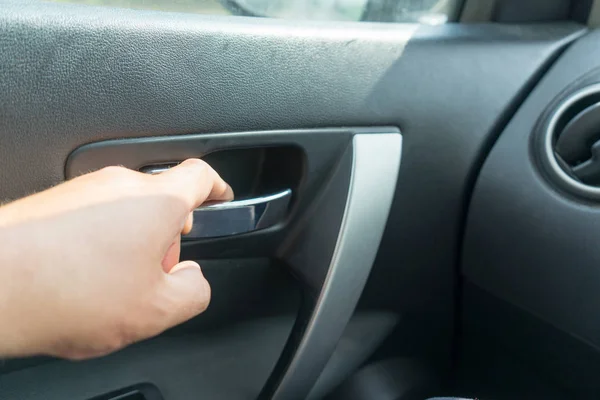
(189, 290)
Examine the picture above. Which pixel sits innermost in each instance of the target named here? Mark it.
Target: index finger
(195, 182)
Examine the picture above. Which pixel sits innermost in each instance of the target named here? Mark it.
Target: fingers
(189, 292)
(195, 182)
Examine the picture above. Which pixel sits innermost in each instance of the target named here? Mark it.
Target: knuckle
(121, 177)
(115, 170)
(150, 318)
(87, 347)
(117, 341)
(117, 174)
(126, 332)
(121, 335)
(195, 162)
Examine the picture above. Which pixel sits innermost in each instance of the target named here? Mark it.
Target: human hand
(91, 265)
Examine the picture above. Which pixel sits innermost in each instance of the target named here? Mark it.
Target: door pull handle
(239, 216)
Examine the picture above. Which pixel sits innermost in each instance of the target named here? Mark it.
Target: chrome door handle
(239, 216)
(234, 217)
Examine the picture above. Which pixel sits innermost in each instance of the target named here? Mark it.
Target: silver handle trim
(239, 216)
(157, 169)
(365, 216)
(246, 202)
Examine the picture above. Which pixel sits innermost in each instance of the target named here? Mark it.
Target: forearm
(13, 272)
(31, 299)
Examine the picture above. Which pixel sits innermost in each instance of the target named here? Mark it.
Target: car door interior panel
(415, 209)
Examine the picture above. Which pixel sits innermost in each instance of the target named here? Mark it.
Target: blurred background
(420, 11)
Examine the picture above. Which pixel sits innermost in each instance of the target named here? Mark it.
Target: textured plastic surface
(182, 367)
(249, 350)
(143, 391)
(507, 353)
(527, 242)
(364, 333)
(389, 379)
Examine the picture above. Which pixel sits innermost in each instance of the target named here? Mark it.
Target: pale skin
(92, 265)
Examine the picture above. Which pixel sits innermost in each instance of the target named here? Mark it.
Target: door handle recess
(239, 216)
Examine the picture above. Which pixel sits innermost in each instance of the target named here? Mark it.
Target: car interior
(417, 182)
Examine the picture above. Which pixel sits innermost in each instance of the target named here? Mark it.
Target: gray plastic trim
(367, 207)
